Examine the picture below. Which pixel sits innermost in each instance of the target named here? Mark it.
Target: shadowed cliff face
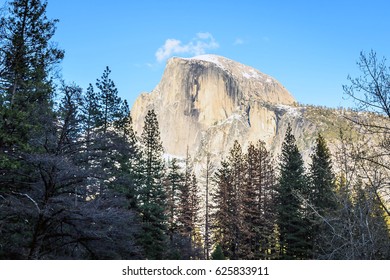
(212, 101)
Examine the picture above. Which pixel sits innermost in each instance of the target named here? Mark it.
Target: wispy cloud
(203, 42)
(238, 41)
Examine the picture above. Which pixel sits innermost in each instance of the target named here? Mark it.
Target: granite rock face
(207, 102)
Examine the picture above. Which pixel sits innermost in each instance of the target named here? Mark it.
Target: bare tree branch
(30, 198)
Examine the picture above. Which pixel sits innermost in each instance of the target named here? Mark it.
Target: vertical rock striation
(208, 101)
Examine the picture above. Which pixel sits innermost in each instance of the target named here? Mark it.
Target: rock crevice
(214, 100)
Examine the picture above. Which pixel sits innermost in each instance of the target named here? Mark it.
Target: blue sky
(309, 46)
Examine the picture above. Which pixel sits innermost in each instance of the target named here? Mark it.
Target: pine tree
(46, 210)
(151, 194)
(69, 116)
(90, 113)
(235, 215)
(221, 204)
(109, 101)
(322, 192)
(185, 211)
(188, 209)
(123, 122)
(127, 157)
(194, 211)
(27, 58)
(322, 178)
(292, 187)
(174, 187)
(208, 170)
(258, 232)
(26, 116)
(228, 203)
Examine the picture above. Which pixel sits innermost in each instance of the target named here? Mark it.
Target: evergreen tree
(188, 209)
(258, 229)
(69, 116)
(50, 209)
(151, 194)
(27, 58)
(292, 189)
(109, 101)
(194, 201)
(123, 122)
(208, 170)
(26, 108)
(126, 158)
(90, 114)
(228, 203)
(235, 196)
(322, 192)
(174, 186)
(26, 61)
(185, 211)
(221, 204)
(322, 178)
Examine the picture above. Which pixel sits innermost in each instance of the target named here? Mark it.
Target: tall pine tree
(322, 178)
(292, 188)
(221, 204)
(151, 193)
(258, 229)
(188, 209)
(174, 184)
(228, 222)
(27, 59)
(25, 75)
(109, 101)
(322, 199)
(235, 195)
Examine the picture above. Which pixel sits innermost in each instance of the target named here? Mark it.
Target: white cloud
(204, 35)
(203, 42)
(238, 41)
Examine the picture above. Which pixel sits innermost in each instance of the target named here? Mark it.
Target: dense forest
(76, 182)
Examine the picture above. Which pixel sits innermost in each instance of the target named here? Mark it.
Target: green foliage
(27, 58)
(217, 254)
(221, 222)
(90, 112)
(109, 101)
(322, 197)
(258, 221)
(292, 188)
(59, 178)
(322, 178)
(174, 184)
(188, 203)
(228, 201)
(244, 216)
(151, 192)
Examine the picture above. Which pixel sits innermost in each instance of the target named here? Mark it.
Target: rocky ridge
(207, 102)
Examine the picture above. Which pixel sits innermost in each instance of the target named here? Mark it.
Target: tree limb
(30, 198)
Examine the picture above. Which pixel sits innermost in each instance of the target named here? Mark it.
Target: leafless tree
(356, 228)
(371, 93)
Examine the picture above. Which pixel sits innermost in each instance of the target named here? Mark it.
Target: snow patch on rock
(209, 58)
(293, 111)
